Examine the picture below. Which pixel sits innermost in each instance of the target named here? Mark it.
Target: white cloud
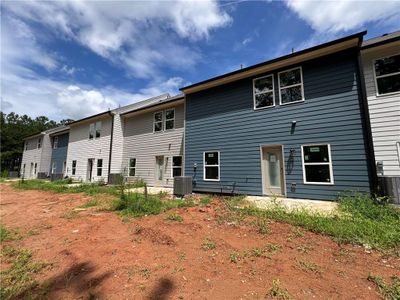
(141, 36)
(336, 16)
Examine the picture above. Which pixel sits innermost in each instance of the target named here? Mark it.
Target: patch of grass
(72, 214)
(277, 291)
(19, 278)
(208, 244)
(360, 220)
(234, 256)
(273, 248)
(90, 203)
(174, 217)
(256, 252)
(305, 248)
(7, 234)
(262, 226)
(145, 272)
(8, 251)
(309, 266)
(34, 231)
(387, 290)
(205, 200)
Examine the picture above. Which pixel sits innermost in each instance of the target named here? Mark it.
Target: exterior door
(89, 169)
(159, 169)
(31, 171)
(273, 179)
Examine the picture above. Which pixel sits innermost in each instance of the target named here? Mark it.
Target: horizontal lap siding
(384, 112)
(223, 119)
(31, 155)
(59, 155)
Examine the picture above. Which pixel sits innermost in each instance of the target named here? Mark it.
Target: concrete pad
(264, 202)
(152, 190)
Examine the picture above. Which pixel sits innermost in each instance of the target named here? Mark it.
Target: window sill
(387, 94)
(300, 101)
(215, 180)
(319, 183)
(262, 108)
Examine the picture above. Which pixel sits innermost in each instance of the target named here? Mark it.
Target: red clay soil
(96, 255)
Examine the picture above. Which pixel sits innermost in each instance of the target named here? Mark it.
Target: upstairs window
(99, 167)
(291, 86)
(35, 168)
(39, 143)
(317, 164)
(158, 121)
(73, 167)
(55, 142)
(132, 167)
(26, 145)
(263, 90)
(94, 130)
(211, 166)
(91, 131)
(176, 166)
(170, 119)
(98, 129)
(387, 74)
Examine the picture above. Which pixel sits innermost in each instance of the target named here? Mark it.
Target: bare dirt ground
(96, 255)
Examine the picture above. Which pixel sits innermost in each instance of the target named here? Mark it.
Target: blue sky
(71, 59)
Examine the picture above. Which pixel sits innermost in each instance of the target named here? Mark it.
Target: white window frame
(39, 143)
(172, 165)
(289, 86)
(165, 119)
(55, 142)
(99, 168)
(93, 132)
(382, 76)
(129, 167)
(332, 182)
(73, 169)
(95, 129)
(273, 92)
(162, 121)
(398, 151)
(204, 166)
(53, 167)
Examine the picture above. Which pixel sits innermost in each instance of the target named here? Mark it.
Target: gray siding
(59, 155)
(384, 112)
(223, 119)
(31, 156)
(141, 143)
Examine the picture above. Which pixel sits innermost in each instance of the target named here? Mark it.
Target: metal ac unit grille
(182, 185)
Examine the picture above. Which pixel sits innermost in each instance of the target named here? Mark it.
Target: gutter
(368, 141)
(111, 144)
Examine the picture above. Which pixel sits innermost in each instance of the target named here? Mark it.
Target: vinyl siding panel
(141, 143)
(31, 156)
(46, 155)
(59, 155)
(384, 112)
(223, 119)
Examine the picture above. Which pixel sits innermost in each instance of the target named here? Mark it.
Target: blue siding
(59, 155)
(223, 119)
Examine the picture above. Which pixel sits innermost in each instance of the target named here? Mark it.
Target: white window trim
(95, 130)
(129, 167)
(165, 119)
(162, 121)
(172, 165)
(289, 86)
(332, 182)
(398, 151)
(53, 167)
(273, 92)
(55, 144)
(204, 166)
(72, 167)
(97, 167)
(382, 76)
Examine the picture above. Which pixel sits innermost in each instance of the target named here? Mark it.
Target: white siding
(46, 155)
(31, 156)
(141, 143)
(384, 112)
(80, 148)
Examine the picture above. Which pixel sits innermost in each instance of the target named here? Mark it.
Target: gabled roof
(167, 100)
(108, 112)
(347, 42)
(380, 40)
(51, 131)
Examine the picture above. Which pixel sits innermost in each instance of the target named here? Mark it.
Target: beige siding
(80, 148)
(31, 156)
(384, 112)
(46, 155)
(141, 143)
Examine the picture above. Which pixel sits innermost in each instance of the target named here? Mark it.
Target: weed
(262, 226)
(205, 200)
(9, 234)
(174, 217)
(342, 274)
(33, 231)
(273, 248)
(234, 256)
(277, 291)
(208, 244)
(90, 203)
(387, 290)
(296, 233)
(70, 215)
(145, 272)
(8, 251)
(305, 248)
(309, 266)
(256, 252)
(181, 256)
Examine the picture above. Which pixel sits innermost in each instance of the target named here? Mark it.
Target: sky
(71, 59)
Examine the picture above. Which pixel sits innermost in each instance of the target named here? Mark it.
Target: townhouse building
(59, 145)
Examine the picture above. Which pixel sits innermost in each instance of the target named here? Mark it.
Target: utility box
(390, 186)
(41, 175)
(182, 185)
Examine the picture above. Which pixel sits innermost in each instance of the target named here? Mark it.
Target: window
(91, 131)
(317, 164)
(98, 129)
(26, 145)
(263, 90)
(55, 142)
(291, 86)
(64, 167)
(132, 167)
(211, 166)
(39, 143)
(170, 119)
(158, 121)
(99, 167)
(35, 168)
(387, 74)
(176, 166)
(73, 167)
(53, 167)
(23, 169)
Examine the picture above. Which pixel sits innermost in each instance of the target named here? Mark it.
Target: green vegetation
(234, 256)
(277, 291)
(174, 217)
(19, 278)
(273, 248)
(205, 200)
(90, 203)
(309, 266)
(208, 244)
(9, 234)
(389, 291)
(360, 220)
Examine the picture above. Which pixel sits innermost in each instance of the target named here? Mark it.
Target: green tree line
(13, 129)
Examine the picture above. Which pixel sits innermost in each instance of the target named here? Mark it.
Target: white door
(159, 169)
(273, 171)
